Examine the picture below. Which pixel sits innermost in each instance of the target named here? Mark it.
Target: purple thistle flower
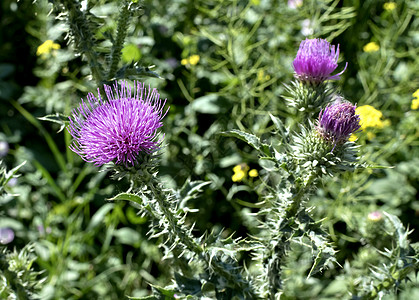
(6, 235)
(337, 122)
(315, 61)
(119, 128)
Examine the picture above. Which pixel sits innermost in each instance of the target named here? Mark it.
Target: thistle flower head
(315, 61)
(337, 122)
(119, 128)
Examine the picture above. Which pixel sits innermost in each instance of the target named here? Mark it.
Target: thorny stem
(297, 199)
(84, 40)
(180, 232)
(185, 237)
(121, 34)
(279, 248)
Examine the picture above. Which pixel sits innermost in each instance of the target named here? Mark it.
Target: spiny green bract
(314, 155)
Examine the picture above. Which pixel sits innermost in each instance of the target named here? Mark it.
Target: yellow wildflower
(371, 47)
(253, 173)
(239, 172)
(194, 59)
(370, 117)
(415, 101)
(262, 77)
(47, 47)
(238, 176)
(241, 167)
(370, 135)
(191, 60)
(353, 137)
(389, 6)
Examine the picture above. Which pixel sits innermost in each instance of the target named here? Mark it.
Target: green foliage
(18, 279)
(292, 231)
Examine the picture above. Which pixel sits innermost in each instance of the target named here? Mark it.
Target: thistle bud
(337, 122)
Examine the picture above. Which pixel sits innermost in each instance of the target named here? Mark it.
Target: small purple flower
(12, 182)
(119, 128)
(4, 148)
(307, 27)
(6, 236)
(337, 122)
(293, 4)
(375, 216)
(315, 61)
(43, 230)
(172, 62)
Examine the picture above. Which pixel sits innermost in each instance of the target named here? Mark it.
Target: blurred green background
(223, 65)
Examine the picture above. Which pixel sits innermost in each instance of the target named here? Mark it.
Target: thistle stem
(185, 237)
(280, 243)
(176, 228)
(121, 34)
(297, 199)
(83, 37)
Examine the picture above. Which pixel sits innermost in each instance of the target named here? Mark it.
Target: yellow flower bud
(253, 173)
(371, 47)
(47, 47)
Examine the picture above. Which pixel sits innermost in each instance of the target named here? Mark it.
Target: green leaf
(6, 176)
(131, 53)
(158, 291)
(11, 223)
(188, 285)
(280, 127)
(58, 118)
(400, 233)
(50, 141)
(127, 236)
(250, 139)
(207, 104)
(133, 71)
(127, 197)
(99, 216)
(168, 292)
(190, 189)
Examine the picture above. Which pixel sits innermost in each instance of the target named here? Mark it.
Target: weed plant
(285, 168)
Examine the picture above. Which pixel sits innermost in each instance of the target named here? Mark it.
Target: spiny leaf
(189, 190)
(280, 127)
(250, 139)
(168, 293)
(127, 197)
(58, 118)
